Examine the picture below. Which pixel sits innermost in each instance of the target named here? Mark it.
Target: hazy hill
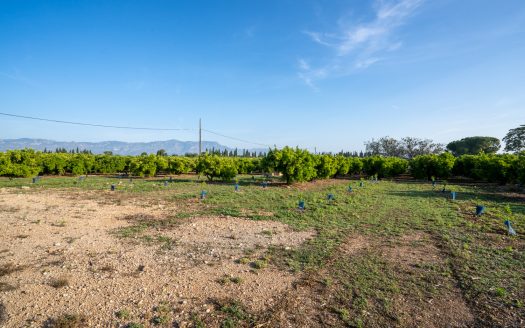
(117, 147)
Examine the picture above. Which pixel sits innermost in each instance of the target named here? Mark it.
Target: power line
(95, 125)
(237, 139)
(134, 128)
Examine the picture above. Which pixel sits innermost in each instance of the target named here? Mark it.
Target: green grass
(478, 255)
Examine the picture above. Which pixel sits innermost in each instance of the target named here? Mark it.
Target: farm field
(153, 254)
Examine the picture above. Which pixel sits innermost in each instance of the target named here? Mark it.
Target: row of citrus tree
(295, 165)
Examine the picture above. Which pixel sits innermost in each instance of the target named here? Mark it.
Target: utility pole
(200, 137)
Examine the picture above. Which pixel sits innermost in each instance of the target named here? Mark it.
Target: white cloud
(359, 45)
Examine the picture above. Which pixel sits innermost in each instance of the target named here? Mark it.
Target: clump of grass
(9, 268)
(167, 242)
(68, 321)
(234, 312)
(244, 260)
(131, 231)
(197, 321)
(163, 314)
(500, 292)
(22, 236)
(163, 307)
(260, 263)
(123, 314)
(229, 279)
(59, 282)
(160, 319)
(236, 280)
(344, 314)
(134, 325)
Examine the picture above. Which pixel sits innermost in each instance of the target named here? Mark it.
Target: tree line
(293, 164)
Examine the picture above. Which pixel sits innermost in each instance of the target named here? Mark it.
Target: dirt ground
(60, 255)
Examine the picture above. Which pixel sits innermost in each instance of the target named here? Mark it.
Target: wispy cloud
(17, 76)
(359, 45)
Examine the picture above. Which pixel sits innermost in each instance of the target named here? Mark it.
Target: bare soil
(62, 256)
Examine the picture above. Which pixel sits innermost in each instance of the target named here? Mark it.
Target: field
(73, 253)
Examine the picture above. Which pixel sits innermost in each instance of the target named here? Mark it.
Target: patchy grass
(134, 325)
(68, 321)
(234, 314)
(224, 280)
(364, 288)
(162, 315)
(123, 314)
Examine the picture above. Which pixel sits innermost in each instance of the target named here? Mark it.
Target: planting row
(295, 165)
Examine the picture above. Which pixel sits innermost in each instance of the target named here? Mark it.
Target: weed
(163, 307)
(167, 242)
(134, 325)
(197, 321)
(229, 279)
(260, 263)
(161, 319)
(244, 260)
(229, 323)
(234, 310)
(500, 292)
(123, 314)
(344, 314)
(236, 280)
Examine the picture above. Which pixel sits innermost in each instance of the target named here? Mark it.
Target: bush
(343, 165)
(427, 166)
(19, 163)
(384, 167)
(143, 165)
(326, 166)
(296, 165)
(213, 166)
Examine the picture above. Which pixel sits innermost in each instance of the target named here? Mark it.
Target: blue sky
(327, 74)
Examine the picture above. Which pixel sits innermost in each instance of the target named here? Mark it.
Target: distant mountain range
(172, 147)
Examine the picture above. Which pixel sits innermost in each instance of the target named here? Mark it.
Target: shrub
(326, 166)
(213, 166)
(296, 165)
(427, 166)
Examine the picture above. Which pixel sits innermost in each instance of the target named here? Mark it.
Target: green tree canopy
(474, 146)
(515, 139)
